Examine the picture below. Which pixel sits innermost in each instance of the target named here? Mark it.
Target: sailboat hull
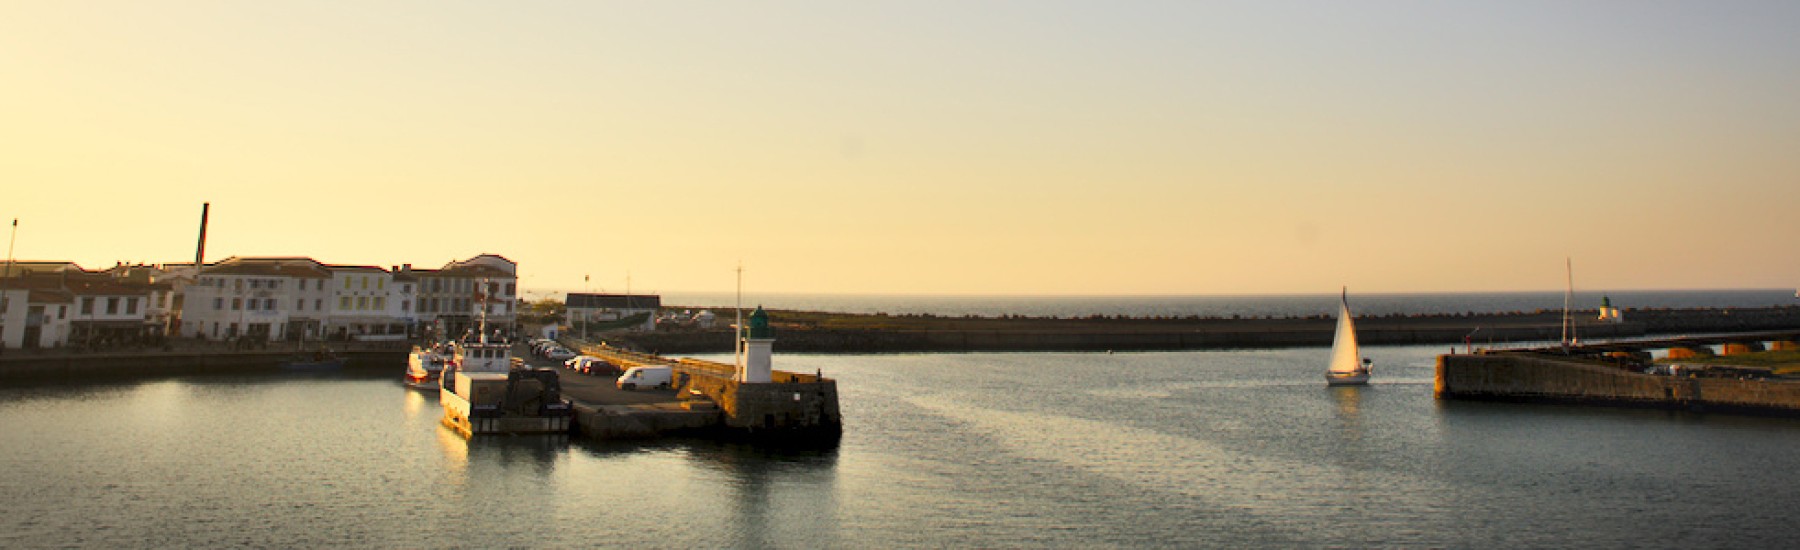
(1347, 378)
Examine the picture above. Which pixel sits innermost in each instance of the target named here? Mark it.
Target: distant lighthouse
(757, 343)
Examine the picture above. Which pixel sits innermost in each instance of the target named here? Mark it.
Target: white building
(451, 299)
(34, 318)
(365, 304)
(265, 299)
(50, 304)
(12, 316)
(593, 312)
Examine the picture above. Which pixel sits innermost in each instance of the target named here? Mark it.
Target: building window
(269, 304)
(300, 305)
(406, 288)
(381, 284)
(131, 306)
(346, 283)
(62, 312)
(112, 306)
(319, 304)
(344, 302)
(380, 303)
(236, 304)
(239, 283)
(252, 305)
(365, 283)
(512, 289)
(218, 304)
(362, 302)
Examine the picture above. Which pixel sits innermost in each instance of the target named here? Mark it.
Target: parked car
(559, 354)
(588, 364)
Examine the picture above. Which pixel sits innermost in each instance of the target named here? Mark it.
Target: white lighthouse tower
(757, 345)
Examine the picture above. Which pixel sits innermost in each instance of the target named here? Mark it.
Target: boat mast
(1568, 321)
(482, 332)
(737, 344)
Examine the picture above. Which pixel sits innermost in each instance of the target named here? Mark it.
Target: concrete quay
(1611, 376)
(181, 359)
(704, 402)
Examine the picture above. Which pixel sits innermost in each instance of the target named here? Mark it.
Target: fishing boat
(485, 390)
(424, 365)
(1348, 367)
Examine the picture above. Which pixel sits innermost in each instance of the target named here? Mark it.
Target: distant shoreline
(818, 332)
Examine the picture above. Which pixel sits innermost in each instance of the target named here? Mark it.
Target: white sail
(1345, 357)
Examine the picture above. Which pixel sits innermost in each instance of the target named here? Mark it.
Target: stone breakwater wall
(791, 406)
(1540, 377)
(1171, 334)
(17, 365)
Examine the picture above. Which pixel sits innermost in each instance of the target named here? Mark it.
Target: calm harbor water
(1191, 449)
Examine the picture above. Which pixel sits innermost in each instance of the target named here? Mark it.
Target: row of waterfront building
(54, 304)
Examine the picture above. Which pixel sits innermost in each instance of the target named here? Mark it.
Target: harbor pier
(1620, 374)
(705, 398)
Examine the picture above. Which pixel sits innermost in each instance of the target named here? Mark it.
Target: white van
(643, 377)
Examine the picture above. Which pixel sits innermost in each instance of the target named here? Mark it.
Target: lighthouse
(757, 343)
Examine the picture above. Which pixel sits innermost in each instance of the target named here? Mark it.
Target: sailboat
(1348, 368)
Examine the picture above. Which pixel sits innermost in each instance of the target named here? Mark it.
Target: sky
(1082, 148)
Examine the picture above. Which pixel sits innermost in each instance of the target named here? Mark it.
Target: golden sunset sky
(921, 147)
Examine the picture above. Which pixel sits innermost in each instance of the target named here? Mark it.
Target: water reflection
(777, 493)
(1349, 402)
(417, 403)
(767, 495)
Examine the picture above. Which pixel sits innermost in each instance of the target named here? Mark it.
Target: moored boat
(320, 359)
(485, 391)
(427, 364)
(1348, 367)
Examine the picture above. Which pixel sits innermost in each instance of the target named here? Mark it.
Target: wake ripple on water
(1282, 494)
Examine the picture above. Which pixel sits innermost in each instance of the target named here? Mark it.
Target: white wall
(12, 319)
